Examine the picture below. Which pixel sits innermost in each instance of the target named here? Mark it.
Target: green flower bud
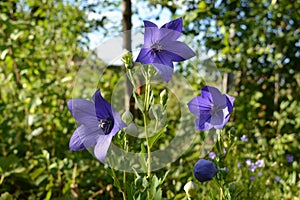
(131, 129)
(163, 97)
(127, 59)
(127, 117)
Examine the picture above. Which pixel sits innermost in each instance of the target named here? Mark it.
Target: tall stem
(221, 193)
(147, 99)
(124, 172)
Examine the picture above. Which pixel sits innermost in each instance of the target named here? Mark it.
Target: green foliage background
(42, 46)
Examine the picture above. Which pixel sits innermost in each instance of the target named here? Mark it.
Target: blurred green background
(255, 45)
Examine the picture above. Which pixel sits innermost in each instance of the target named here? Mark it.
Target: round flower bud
(127, 117)
(190, 189)
(132, 129)
(205, 170)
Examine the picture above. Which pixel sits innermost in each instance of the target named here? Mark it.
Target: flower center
(106, 125)
(216, 109)
(156, 47)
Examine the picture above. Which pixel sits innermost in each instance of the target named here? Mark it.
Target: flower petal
(180, 50)
(75, 143)
(102, 147)
(151, 34)
(149, 24)
(86, 136)
(205, 94)
(217, 97)
(202, 122)
(164, 71)
(217, 118)
(102, 107)
(83, 111)
(198, 104)
(230, 101)
(118, 123)
(226, 116)
(175, 25)
(145, 56)
(165, 35)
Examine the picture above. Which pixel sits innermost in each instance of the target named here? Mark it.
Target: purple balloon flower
(244, 138)
(211, 108)
(205, 170)
(260, 163)
(99, 123)
(289, 158)
(252, 167)
(212, 155)
(161, 47)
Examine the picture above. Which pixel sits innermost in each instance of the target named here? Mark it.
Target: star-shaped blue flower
(99, 123)
(211, 108)
(161, 47)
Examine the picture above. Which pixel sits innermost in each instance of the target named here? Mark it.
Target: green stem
(147, 99)
(124, 172)
(131, 78)
(221, 194)
(148, 147)
(117, 183)
(2, 179)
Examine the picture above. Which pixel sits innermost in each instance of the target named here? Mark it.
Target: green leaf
(139, 102)
(152, 140)
(7, 162)
(37, 173)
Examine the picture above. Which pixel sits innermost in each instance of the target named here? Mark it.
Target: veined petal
(102, 147)
(180, 50)
(164, 66)
(202, 123)
(230, 101)
(198, 104)
(217, 97)
(163, 58)
(83, 111)
(119, 123)
(102, 107)
(75, 143)
(149, 24)
(86, 136)
(145, 56)
(205, 94)
(175, 25)
(164, 71)
(151, 34)
(165, 35)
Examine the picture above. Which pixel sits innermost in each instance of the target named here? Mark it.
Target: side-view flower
(211, 108)
(161, 47)
(99, 122)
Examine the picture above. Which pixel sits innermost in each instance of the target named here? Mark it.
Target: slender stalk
(148, 147)
(147, 101)
(221, 194)
(124, 172)
(2, 179)
(131, 78)
(117, 183)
